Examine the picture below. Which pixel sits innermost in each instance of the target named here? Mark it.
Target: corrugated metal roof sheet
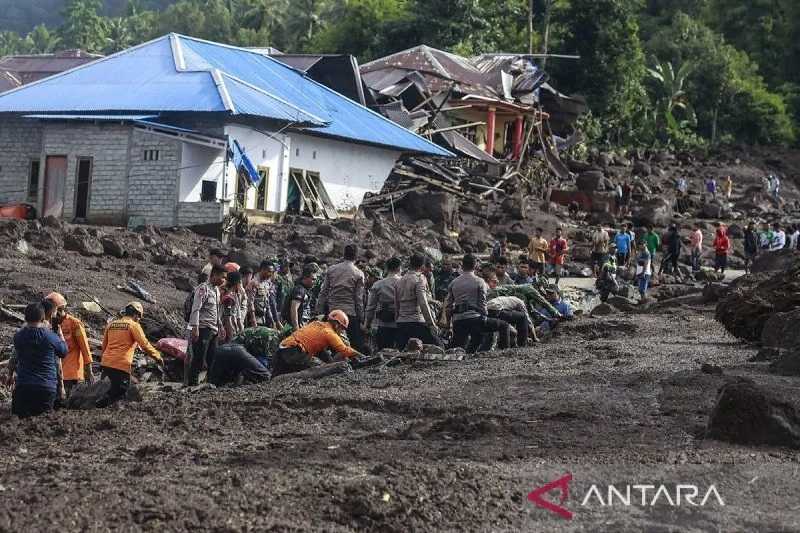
(100, 118)
(8, 81)
(182, 74)
(347, 119)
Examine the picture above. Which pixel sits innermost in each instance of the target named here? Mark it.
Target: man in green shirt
(653, 242)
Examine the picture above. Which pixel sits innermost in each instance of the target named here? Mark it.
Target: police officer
(466, 306)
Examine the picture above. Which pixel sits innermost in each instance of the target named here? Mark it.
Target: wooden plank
(451, 128)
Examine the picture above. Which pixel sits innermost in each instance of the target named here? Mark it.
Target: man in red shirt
(558, 251)
(722, 246)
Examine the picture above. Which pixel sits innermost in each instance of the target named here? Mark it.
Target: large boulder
(440, 207)
(746, 413)
(476, 238)
(780, 260)
(781, 330)
(715, 210)
(640, 168)
(84, 244)
(787, 363)
(590, 181)
(653, 212)
(113, 247)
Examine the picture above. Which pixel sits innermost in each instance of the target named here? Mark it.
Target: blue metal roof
(182, 74)
(99, 118)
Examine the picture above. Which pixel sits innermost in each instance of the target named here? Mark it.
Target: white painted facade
(199, 163)
(348, 170)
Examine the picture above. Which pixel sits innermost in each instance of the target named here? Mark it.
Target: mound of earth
(753, 300)
(746, 413)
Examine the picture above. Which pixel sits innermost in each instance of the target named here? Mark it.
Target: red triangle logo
(562, 484)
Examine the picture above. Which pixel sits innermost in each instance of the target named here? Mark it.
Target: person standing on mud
(230, 304)
(750, 246)
(722, 246)
(622, 241)
(297, 306)
(77, 364)
(266, 296)
(537, 252)
(674, 246)
(600, 241)
(696, 245)
(343, 289)
(513, 310)
(644, 269)
(558, 252)
(33, 369)
(204, 322)
(728, 187)
(121, 338)
(652, 241)
(413, 314)
(381, 306)
(466, 307)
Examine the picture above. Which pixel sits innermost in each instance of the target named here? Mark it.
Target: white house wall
(263, 150)
(348, 170)
(200, 163)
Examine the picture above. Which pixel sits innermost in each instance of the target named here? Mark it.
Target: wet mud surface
(445, 446)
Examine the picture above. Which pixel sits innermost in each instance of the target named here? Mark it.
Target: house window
(33, 180)
(151, 155)
(208, 191)
(297, 152)
(314, 154)
(83, 182)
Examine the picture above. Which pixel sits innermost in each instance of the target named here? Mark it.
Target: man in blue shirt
(562, 306)
(622, 240)
(37, 350)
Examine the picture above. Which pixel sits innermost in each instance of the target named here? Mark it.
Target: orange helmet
(231, 267)
(340, 317)
(57, 299)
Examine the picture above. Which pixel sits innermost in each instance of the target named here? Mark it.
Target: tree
(730, 98)
(119, 35)
(359, 30)
(83, 26)
(611, 69)
(183, 17)
(669, 97)
(42, 40)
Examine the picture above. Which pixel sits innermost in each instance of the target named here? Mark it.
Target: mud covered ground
(447, 446)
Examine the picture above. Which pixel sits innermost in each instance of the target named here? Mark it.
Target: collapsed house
(29, 68)
(181, 131)
(493, 111)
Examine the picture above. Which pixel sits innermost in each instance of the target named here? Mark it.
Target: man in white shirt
(778, 238)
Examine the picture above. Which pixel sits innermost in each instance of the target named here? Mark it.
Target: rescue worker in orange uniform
(299, 350)
(77, 365)
(120, 340)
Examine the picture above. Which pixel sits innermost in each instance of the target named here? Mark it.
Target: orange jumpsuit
(121, 338)
(78, 352)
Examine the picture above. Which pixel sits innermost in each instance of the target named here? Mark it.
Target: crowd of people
(246, 325)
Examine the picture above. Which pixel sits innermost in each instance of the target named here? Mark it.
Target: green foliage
(610, 74)
(721, 69)
(724, 87)
(83, 26)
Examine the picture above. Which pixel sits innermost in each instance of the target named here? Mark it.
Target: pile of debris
(494, 112)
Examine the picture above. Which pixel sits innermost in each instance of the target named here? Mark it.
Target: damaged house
(491, 110)
(181, 131)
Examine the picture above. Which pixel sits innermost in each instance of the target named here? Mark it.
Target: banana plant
(673, 97)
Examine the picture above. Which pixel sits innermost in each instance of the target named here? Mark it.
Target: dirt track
(453, 446)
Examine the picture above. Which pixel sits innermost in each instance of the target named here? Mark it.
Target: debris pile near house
(490, 111)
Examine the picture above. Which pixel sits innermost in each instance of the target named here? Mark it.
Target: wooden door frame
(88, 191)
(43, 185)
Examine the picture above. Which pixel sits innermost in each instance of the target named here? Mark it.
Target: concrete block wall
(20, 141)
(197, 213)
(153, 185)
(107, 145)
